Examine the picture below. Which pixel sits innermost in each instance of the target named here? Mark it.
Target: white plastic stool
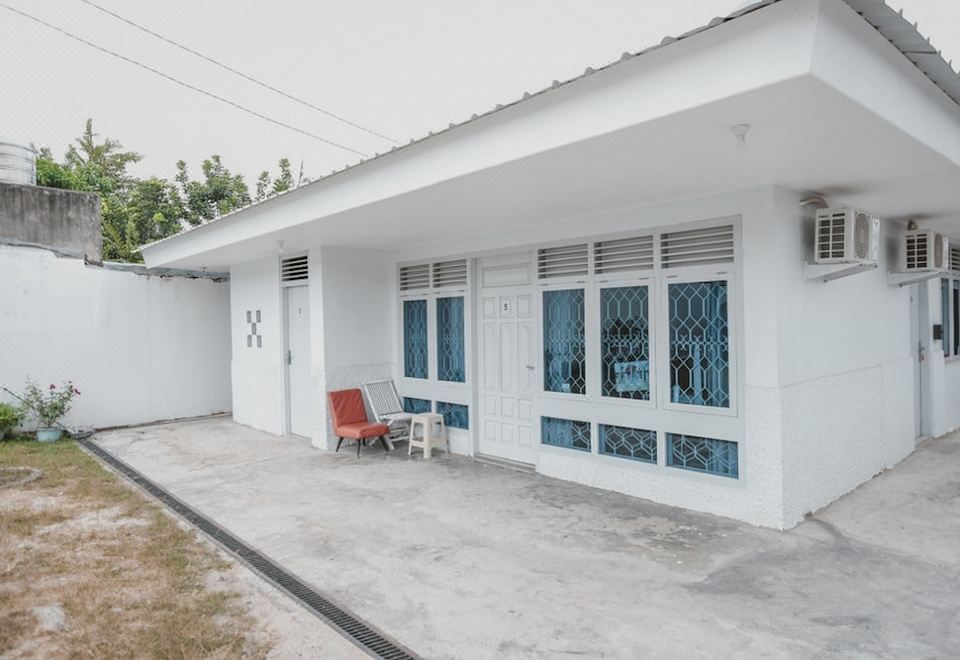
(430, 439)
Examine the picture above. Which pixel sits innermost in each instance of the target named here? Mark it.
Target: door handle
(289, 356)
(531, 367)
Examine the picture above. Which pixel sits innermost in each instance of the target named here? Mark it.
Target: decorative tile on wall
(254, 336)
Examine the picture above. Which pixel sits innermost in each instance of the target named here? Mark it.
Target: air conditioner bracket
(906, 279)
(830, 272)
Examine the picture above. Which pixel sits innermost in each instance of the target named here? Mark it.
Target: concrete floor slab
(459, 559)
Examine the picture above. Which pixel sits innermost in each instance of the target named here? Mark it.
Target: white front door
(299, 410)
(508, 373)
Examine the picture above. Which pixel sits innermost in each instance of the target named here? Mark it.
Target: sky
(397, 68)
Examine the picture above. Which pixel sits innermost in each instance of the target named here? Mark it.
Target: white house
(614, 279)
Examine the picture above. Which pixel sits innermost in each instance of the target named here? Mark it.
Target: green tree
(52, 174)
(284, 182)
(137, 211)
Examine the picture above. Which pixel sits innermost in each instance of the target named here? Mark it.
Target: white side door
(299, 409)
(508, 374)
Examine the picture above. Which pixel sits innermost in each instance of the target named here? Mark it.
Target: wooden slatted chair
(387, 407)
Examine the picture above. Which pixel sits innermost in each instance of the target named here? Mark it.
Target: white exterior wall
(846, 379)
(352, 304)
(824, 370)
(258, 373)
(757, 495)
(139, 348)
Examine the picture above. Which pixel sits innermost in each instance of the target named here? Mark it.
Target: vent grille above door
(415, 277)
(566, 261)
(623, 254)
(955, 259)
(450, 273)
(294, 269)
(697, 247)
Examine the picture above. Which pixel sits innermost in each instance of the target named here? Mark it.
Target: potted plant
(10, 417)
(48, 406)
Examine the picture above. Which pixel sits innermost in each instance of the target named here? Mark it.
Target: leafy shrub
(10, 417)
(51, 404)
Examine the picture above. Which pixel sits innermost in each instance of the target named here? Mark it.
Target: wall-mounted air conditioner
(924, 251)
(846, 236)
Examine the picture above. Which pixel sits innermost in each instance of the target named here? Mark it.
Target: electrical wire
(177, 81)
(234, 71)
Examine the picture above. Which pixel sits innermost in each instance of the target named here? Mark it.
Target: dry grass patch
(129, 580)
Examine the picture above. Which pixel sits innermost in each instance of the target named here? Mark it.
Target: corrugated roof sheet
(890, 23)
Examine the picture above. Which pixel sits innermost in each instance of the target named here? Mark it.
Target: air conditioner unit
(846, 236)
(924, 251)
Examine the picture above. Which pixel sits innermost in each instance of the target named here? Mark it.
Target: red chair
(350, 419)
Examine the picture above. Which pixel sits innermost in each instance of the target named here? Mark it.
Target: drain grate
(348, 624)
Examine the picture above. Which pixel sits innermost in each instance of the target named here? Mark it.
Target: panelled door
(508, 368)
(299, 397)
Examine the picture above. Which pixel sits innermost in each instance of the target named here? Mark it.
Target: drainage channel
(346, 623)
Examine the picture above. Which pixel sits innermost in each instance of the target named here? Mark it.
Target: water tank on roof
(18, 163)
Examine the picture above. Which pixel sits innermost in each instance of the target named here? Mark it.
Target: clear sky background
(400, 68)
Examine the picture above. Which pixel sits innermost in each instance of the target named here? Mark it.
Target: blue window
(415, 338)
(955, 325)
(945, 316)
(637, 444)
(624, 342)
(699, 344)
(565, 433)
(450, 359)
(563, 343)
(455, 415)
(703, 455)
(416, 406)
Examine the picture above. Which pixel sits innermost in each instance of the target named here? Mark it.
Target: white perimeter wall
(140, 348)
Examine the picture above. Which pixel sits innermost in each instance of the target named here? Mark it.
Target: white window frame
(565, 284)
(700, 274)
(432, 388)
(649, 281)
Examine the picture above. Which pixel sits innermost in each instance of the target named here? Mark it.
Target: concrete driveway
(458, 559)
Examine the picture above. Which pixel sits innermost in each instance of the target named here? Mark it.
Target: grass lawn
(130, 581)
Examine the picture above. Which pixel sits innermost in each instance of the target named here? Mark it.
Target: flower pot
(49, 434)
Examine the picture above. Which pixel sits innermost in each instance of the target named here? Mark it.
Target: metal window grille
(624, 342)
(720, 457)
(455, 415)
(451, 364)
(567, 433)
(564, 355)
(415, 338)
(416, 406)
(699, 344)
(637, 444)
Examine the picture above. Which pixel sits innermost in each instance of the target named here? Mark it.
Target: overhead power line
(234, 71)
(194, 88)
